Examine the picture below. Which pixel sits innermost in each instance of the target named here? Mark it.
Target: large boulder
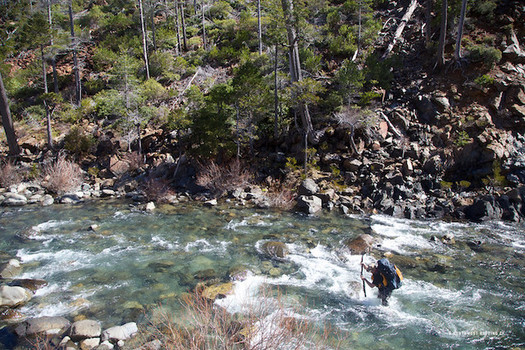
(117, 333)
(309, 204)
(308, 187)
(14, 200)
(85, 329)
(483, 209)
(361, 243)
(275, 249)
(43, 325)
(14, 296)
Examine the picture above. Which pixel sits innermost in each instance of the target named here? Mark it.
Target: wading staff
(362, 257)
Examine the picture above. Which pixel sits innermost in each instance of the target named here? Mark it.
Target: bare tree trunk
(177, 26)
(78, 87)
(46, 90)
(238, 132)
(457, 52)
(139, 141)
(259, 26)
(183, 21)
(276, 94)
(356, 53)
(399, 31)
(153, 30)
(428, 22)
(144, 43)
(295, 62)
(7, 122)
(443, 35)
(53, 59)
(203, 27)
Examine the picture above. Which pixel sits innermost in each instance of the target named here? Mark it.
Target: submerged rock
(217, 290)
(275, 249)
(31, 284)
(361, 243)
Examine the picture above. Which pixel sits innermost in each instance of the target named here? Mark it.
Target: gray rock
(442, 102)
(150, 207)
(239, 193)
(482, 210)
(14, 199)
(210, 203)
(308, 187)
(106, 345)
(427, 111)
(42, 325)
(70, 198)
(309, 204)
(85, 329)
(124, 332)
(14, 296)
(11, 269)
(47, 200)
(106, 192)
(88, 344)
(353, 165)
(152, 345)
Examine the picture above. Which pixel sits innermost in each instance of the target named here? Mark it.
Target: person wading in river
(385, 276)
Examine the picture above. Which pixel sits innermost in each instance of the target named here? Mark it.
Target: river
(468, 295)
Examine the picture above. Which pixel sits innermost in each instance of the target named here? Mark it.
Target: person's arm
(370, 284)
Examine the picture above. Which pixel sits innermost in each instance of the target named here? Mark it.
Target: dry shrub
(265, 325)
(134, 159)
(157, 189)
(62, 175)
(280, 196)
(9, 175)
(220, 179)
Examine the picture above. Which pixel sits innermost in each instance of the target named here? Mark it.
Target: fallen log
(400, 28)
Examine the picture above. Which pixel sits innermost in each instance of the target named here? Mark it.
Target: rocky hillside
(436, 142)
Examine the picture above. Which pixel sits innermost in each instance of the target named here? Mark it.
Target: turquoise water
(453, 296)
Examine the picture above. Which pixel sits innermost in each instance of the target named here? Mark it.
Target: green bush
(103, 59)
(488, 55)
(343, 43)
(152, 90)
(109, 103)
(484, 80)
(78, 143)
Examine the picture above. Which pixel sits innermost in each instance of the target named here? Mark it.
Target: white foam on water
(50, 225)
(203, 246)
(245, 294)
(399, 236)
(161, 242)
(58, 308)
(54, 262)
(254, 220)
